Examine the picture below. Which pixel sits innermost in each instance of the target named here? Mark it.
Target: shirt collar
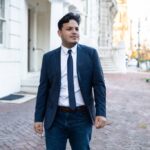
(65, 49)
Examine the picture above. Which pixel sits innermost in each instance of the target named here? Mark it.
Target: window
(2, 20)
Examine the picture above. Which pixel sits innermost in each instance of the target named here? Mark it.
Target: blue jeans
(75, 126)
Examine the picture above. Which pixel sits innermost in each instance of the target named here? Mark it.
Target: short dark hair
(69, 16)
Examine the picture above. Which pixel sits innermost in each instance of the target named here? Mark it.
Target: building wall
(121, 36)
(108, 10)
(121, 26)
(10, 51)
(95, 27)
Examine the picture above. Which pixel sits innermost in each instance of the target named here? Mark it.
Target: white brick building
(28, 29)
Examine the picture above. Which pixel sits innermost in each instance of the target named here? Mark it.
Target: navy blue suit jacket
(91, 82)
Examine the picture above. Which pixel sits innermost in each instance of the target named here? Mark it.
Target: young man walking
(71, 95)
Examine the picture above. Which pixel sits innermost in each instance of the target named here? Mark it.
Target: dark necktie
(71, 93)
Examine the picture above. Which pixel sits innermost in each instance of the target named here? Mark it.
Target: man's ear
(59, 33)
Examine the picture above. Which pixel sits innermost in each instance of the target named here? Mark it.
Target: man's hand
(100, 122)
(38, 127)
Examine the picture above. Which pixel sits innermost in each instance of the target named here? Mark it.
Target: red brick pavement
(128, 109)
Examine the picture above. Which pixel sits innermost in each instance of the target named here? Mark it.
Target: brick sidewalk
(128, 108)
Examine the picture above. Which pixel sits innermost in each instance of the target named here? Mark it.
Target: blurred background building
(139, 29)
(121, 38)
(121, 26)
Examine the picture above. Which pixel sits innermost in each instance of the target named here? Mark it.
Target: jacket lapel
(79, 61)
(57, 63)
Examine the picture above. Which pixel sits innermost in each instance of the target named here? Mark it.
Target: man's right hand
(38, 127)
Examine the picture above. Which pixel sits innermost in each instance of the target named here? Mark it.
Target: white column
(56, 13)
(24, 39)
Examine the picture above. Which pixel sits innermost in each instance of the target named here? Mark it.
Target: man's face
(69, 33)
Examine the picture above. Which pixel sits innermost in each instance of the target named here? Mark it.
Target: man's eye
(69, 29)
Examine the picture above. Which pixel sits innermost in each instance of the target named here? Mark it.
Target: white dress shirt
(63, 98)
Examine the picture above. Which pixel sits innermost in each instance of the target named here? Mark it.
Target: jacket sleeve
(41, 100)
(99, 86)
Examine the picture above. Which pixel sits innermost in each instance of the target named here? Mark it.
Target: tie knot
(69, 51)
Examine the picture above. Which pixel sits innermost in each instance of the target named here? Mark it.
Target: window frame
(3, 19)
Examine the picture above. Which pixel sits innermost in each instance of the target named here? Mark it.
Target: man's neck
(69, 45)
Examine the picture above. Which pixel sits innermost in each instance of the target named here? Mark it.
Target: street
(128, 112)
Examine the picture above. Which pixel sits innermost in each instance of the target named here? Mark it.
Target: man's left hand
(100, 122)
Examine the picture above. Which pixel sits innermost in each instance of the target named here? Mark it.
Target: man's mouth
(74, 37)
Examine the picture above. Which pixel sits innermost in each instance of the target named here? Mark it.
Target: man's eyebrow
(71, 27)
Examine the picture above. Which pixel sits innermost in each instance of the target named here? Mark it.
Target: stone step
(30, 85)
(108, 65)
(29, 89)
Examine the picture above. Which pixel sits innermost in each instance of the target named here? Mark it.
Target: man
(70, 76)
